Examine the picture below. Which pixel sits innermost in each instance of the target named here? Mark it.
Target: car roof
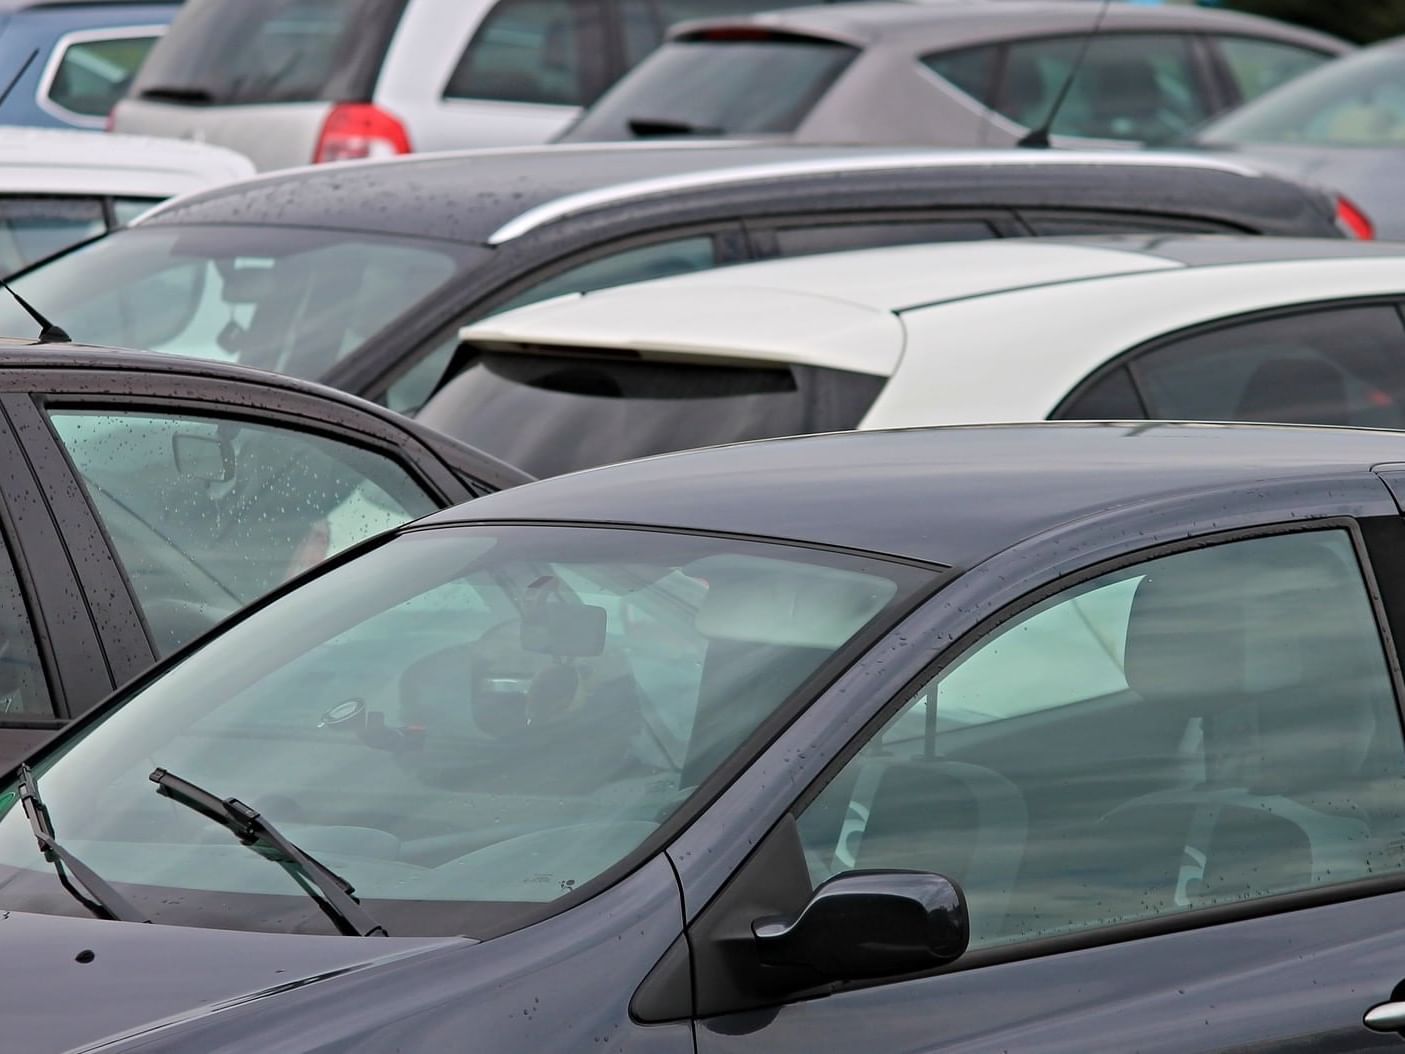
(63, 161)
(950, 496)
(840, 310)
(492, 196)
(949, 24)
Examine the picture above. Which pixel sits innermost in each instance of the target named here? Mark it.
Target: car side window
(659, 260)
(802, 240)
(1203, 728)
(35, 228)
(91, 73)
(206, 514)
(23, 690)
(536, 51)
(1258, 65)
(1134, 86)
(1343, 366)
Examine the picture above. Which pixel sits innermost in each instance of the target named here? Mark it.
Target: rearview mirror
(870, 924)
(203, 457)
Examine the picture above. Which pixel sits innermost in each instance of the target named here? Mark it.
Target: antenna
(16, 78)
(1038, 138)
(48, 332)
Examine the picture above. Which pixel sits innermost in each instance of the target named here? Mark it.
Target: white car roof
(838, 310)
(60, 161)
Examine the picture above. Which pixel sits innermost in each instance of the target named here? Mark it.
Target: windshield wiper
(106, 902)
(335, 899)
(176, 93)
(647, 127)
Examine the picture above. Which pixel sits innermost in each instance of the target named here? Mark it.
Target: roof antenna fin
(1038, 138)
(48, 332)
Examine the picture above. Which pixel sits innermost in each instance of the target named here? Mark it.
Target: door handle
(1386, 1017)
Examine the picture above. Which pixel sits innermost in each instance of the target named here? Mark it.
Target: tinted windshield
(709, 88)
(549, 414)
(1355, 101)
(247, 51)
(282, 298)
(466, 723)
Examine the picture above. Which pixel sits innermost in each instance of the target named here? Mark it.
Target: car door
(207, 493)
(1170, 789)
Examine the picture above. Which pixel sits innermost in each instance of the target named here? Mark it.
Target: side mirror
(202, 457)
(870, 924)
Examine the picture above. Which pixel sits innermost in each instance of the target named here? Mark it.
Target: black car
(143, 498)
(1059, 738)
(361, 275)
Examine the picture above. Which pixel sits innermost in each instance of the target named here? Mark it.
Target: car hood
(70, 983)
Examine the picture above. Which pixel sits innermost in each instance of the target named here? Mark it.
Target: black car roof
(487, 196)
(951, 495)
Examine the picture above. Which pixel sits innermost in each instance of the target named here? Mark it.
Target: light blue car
(87, 54)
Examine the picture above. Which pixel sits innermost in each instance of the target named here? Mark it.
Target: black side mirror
(869, 924)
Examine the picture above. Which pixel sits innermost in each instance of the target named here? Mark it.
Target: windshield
(466, 723)
(255, 51)
(553, 413)
(289, 299)
(1355, 101)
(717, 87)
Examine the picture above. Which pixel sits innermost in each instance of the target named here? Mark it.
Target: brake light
(1353, 221)
(355, 130)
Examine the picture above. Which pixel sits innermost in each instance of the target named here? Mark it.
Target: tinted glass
(543, 51)
(1111, 398)
(33, 229)
(717, 88)
(1258, 65)
(834, 237)
(1132, 86)
(632, 265)
(207, 514)
(466, 724)
(1358, 100)
(22, 687)
(1343, 367)
(282, 298)
(125, 210)
(1201, 729)
(554, 413)
(971, 69)
(1073, 222)
(253, 51)
(92, 75)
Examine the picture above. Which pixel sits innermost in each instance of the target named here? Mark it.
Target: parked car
(85, 54)
(1125, 328)
(977, 738)
(1343, 125)
(290, 82)
(59, 188)
(362, 276)
(146, 497)
(944, 74)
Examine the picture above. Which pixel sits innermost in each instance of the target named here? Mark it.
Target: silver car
(953, 74)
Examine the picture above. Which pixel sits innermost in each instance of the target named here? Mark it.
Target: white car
(1131, 327)
(291, 82)
(59, 188)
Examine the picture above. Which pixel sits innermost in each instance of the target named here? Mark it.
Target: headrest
(766, 601)
(1213, 626)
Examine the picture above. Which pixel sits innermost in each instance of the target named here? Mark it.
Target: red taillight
(355, 130)
(1353, 221)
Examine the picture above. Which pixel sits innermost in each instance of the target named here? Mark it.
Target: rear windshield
(253, 51)
(710, 87)
(554, 413)
(288, 299)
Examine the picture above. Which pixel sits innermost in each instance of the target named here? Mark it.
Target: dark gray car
(361, 275)
(1036, 738)
(1342, 126)
(952, 74)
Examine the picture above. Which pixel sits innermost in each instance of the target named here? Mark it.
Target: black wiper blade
(175, 93)
(105, 902)
(336, 894)
(647, 127)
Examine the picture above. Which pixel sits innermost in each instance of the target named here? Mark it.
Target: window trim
(60, 50)
(1129, 357)
(1100, 936)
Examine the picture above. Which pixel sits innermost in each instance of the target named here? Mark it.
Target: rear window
(539, 51)
(549, 413)
(255, 51)
(706, 86)
(93, 71)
